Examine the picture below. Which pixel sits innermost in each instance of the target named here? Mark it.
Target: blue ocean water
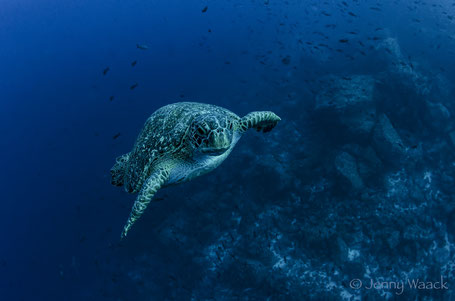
(347, 198)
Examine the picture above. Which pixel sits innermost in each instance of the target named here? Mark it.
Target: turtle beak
(214, 151)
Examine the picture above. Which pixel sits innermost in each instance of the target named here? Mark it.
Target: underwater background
(356, 183)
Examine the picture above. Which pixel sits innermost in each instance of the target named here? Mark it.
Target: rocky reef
(353, 188)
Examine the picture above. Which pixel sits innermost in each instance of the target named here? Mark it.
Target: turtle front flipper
(263, 121)
(149, 188)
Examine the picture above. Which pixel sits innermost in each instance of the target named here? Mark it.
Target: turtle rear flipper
(118, 170)
(263, 121)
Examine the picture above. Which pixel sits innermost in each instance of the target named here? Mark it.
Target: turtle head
(211, 134)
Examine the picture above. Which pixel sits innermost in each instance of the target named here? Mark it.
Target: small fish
(134, 63)
(172, 277)
(133, 86)
(205, 9)
(116, 136)
(352, 14)
(111, 98)
(106, 70)
(286, 60)
(343, 40)
(142, 46)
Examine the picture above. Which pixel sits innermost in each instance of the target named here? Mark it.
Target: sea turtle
(179, 142)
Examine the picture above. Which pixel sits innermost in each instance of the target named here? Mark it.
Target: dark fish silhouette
(205, 9)
(286, 60)
(111, 98)
(116, 136)
(132, 87)
(343, 40)
(142, 46)
(106, 70)
(134, 63)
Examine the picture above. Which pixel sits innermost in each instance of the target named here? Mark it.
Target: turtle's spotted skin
(179, 142)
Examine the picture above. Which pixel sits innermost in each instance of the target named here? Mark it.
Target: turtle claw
(125, 232)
